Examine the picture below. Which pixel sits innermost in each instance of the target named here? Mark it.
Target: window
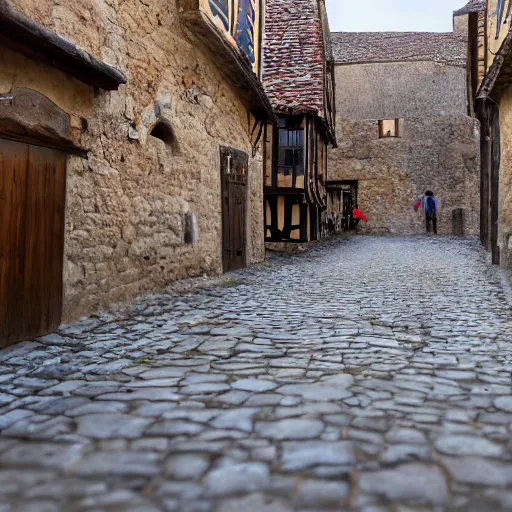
(391, 128)
(290, 168)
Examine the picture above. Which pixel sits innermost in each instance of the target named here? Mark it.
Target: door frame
(29, 117)
(230, 181)
(347, 188)
(490, 146)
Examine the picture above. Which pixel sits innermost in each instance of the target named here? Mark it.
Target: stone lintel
(30, 117)
(235, 66)
(22, 34)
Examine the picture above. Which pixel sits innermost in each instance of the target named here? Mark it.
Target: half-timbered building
(298, 78)
(128, 151)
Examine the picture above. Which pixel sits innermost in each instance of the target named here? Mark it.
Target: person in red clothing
(359, 215)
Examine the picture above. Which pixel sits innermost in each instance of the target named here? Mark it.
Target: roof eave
(454, 64)
(32, 39)
(235, 66)
(499, 74)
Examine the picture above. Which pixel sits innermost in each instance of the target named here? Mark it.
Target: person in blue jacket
(430, 205)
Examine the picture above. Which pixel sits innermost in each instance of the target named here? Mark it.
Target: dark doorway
(348, 207)
(313, 219)
(349, 203)
(495, 185)
(347, 193)
(488, 114)
(234, 170)
(32, 209)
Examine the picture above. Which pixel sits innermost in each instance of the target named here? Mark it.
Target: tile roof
(471, 6)
(293, 64)
(359, 47)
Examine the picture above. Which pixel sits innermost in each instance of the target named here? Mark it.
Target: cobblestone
(369, 374)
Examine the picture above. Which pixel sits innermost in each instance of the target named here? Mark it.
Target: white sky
(392, 15)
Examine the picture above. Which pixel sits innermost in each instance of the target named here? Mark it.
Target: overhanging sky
(392, 15)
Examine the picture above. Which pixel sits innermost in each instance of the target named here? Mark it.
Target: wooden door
(488, 114)
(234, 170)
(32, 204)
(494, 187)
(485, 159)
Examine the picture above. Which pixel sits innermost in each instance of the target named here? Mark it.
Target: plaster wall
(126, 203)
(440, 153)
(496, 30)
(391, 90)
(505, 194)
(240, 21)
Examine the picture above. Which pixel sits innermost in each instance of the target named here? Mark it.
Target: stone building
(403, 128)
(129, 157)
(493, 107)
(298, 77)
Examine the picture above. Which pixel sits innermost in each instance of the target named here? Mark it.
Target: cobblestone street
(369, 374)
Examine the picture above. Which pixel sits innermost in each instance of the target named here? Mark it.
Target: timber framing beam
(24, 35)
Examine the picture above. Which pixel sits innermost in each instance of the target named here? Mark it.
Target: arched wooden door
(32, 209)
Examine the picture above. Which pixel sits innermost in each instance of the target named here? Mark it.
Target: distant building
(298, 77)
(129, 158)
(403, 128)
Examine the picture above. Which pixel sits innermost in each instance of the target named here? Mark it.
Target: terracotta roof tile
(359, 47)
(293, 65)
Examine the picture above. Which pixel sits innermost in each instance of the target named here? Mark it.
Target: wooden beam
(24, 35)
(499, 74)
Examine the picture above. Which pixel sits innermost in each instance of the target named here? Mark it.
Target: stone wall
(460, 24)
(440, 153)
(126, 203)
(439, 149)
(389, 90)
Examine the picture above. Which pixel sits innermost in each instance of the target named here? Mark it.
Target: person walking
(431, 207)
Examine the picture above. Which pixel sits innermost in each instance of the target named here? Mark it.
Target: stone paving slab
(370, 374)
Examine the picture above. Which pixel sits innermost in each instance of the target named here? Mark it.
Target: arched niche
(163, 131)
